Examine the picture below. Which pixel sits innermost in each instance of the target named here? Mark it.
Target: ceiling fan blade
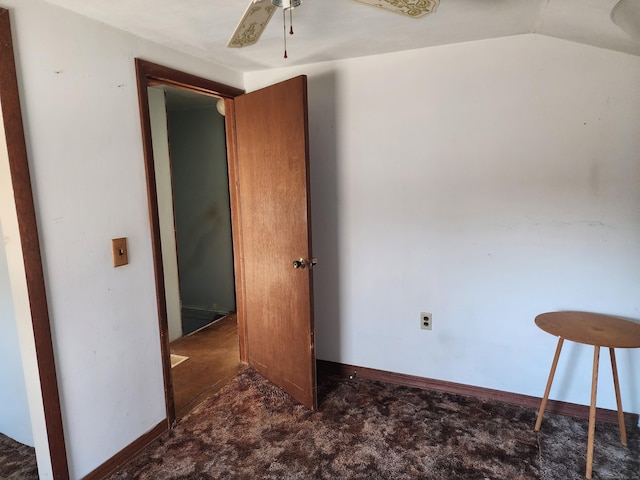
(252, 24)
(410, 8)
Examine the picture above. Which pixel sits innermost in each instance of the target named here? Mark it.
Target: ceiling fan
(259, 12)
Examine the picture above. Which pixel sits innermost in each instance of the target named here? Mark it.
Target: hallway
(214, 359)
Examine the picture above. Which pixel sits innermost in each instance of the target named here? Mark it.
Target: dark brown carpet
(17, 461)
(370, 430)
(366, 430)
(563, 445)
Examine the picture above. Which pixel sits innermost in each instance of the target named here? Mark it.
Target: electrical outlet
(426, 322)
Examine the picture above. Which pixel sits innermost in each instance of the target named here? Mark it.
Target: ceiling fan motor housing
(287, 3)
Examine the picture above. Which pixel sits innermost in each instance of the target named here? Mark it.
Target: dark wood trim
(154, 218)
(553, 406)
(152, 74)
(161, 75)
(128, 453)
(307, 155)
(238, 256)
(27, 225)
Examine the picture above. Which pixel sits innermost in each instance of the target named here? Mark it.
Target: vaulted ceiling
(335, 29)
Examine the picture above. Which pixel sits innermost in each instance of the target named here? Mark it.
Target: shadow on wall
(323, 147)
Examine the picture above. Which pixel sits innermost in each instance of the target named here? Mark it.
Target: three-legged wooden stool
(599, 331)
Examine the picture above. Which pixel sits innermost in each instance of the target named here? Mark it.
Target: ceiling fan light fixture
(220, 106)
(626, 15)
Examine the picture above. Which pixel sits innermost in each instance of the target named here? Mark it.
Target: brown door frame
(27, 225)
(151, 74)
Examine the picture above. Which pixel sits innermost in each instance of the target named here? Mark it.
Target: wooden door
(273, 187)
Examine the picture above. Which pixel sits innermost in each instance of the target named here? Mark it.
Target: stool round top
(591, 328)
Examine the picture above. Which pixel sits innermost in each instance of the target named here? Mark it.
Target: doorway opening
(164, 242)
(192, 182)
(192, 179)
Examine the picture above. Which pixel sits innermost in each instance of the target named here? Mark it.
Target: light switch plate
(119, 248)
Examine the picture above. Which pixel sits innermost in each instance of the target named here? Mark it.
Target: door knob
(303, 263)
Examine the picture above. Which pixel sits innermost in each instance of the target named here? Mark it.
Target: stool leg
(592, 411)
(616, 385)
(543, 404)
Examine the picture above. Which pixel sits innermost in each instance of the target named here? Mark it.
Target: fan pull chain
(291, 21)
(284, 24)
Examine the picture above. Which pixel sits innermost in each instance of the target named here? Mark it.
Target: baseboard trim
(553, 406)
(127, 453)
(202, 313)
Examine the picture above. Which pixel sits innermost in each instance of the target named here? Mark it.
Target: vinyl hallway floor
(214, 359)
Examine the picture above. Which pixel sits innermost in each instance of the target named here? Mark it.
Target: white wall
(80, 107)
(484, 182)
(162, 163)
(14, 413)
